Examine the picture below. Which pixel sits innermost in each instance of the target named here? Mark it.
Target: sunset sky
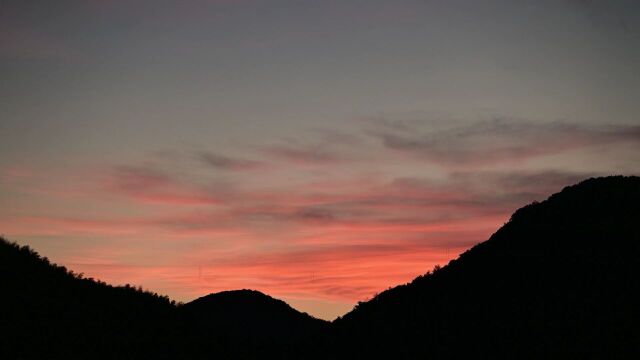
(317, 151)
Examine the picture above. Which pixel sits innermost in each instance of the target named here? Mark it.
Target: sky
(318, 151)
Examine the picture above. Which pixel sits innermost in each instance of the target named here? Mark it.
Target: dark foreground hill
(559, 280)
(247, 324)
(47, 312)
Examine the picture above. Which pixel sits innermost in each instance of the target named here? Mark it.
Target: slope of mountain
(49, 312)
(559, 280)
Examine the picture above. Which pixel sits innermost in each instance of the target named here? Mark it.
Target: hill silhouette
(248, 324)
(239, 310)
(47, 311)
(559, 280)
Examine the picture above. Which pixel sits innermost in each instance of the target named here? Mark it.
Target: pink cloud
(152, 186)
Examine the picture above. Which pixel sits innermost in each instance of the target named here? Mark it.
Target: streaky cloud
(149, 185)
(222, 162)
(303, 154)
(499, 140)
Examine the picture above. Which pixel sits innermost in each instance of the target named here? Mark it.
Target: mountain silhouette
(242, 310)
(49, 312)
(248, 324)
(558, 280)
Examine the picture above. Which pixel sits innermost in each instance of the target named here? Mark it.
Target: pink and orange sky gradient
(319, 152)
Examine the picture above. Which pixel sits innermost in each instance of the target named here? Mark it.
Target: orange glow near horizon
(321, 248)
